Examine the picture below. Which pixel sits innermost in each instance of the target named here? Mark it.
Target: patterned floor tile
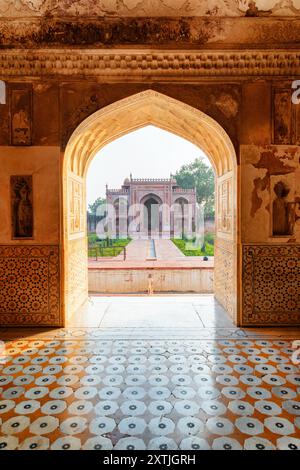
(80, 390)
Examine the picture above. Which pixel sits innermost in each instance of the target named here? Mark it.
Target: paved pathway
(138, 256)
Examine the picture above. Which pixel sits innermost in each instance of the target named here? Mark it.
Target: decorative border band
(131, 65)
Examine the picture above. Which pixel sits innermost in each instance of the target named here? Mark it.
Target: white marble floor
(159, 311)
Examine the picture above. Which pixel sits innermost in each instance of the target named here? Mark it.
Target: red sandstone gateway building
(156, 208)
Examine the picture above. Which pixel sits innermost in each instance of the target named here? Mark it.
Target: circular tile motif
(158, 380)
(194, 443)
(226, 443)
(97, 443)
(8, 442)
(258, 443)
(288, 443)
(87, 393)
(132, 426)
(66, 443)
(162, 443)
(80, 407)
(134, 380)
(250, 426)
(291, 406)
(184, 392)
(109, 393)
(73, 425)
(241, 408)
(190, 425)
(106, 408)
(112, 380)
(61, 392)
(186, 407)
(44, 425)
(209, 393)
(27, 407)
(6, 405)
(159, 393)
(54, 407)
(133, 408)
(15, 425)
(14, 392)
(213, 407)
(268, 408)
(280, 426)
(102, 425)
(259, 393)
(219, 425)
(233, 393)
(284, 393)
(130, 443)
(161, 426)
(160, 408)
(35, 443)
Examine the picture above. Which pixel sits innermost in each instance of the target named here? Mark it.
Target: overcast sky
(146, 153)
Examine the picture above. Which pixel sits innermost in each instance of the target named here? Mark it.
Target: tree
(200, 176)
(93, 207)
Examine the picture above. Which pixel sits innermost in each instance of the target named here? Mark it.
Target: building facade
(155, 208)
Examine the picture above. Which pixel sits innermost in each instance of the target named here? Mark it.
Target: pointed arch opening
(110, 123)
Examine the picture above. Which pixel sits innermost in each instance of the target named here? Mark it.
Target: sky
(146, 153)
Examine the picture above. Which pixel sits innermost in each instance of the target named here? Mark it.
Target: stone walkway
(138, 252)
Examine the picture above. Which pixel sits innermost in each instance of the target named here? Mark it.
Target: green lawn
(206, 250)
(106, 248)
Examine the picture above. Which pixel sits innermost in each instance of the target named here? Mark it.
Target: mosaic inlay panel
(271, 285)
(157, 394)
(29, 285)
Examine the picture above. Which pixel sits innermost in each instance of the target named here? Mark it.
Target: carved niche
(21, 115)
(282, 116)
(283, 211)
(21, 206)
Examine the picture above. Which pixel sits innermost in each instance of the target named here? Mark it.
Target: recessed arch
(120, 118)
(151, 196)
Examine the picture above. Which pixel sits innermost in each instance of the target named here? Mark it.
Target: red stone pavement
(138, 253)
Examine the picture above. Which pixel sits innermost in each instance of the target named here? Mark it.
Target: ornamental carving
(132, 65)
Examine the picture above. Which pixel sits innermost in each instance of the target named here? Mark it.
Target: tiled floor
(133, 386)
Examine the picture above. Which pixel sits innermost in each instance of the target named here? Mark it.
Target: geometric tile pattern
(149, 394)
(29, 285)
(271, 285)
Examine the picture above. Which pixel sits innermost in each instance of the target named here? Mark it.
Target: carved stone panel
(21, 115)
(21, 206)
(76, 214)
(224, 202)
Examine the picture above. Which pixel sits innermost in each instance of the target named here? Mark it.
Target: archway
(115, 120)
(152, 223)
